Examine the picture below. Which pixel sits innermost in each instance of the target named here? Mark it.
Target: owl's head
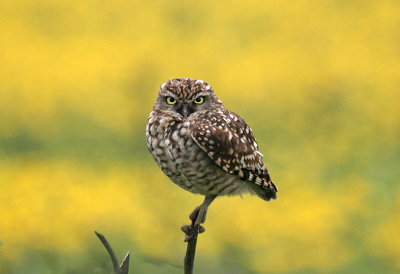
(184, 97)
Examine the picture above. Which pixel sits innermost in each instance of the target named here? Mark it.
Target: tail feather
(264, 192)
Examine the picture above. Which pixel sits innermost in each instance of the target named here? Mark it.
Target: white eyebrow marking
(202, 94)
(168, 93)
(200, 81)
(163, 85)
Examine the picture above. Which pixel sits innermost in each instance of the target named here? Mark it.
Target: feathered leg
(198, 216)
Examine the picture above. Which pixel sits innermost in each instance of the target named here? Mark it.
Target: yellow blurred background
(318, 82)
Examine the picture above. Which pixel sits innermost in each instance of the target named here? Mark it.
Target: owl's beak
(184, 110)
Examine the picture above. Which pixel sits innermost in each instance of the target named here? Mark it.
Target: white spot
(259, 153)
(175, 136)
(183, 131)
(163, 121)
(163, 85)
(208, 87)
(154, 143)
(169, 154)
(200, 81)
(153, 130)
(249, 157)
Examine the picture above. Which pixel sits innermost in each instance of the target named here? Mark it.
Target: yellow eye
(199, 100)
(171, 100)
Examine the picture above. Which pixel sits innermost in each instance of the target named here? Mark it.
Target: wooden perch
(118, 269)
(191, 248)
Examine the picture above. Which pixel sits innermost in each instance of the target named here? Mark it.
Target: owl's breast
(157, 130)
(188, 160)
(184, 162)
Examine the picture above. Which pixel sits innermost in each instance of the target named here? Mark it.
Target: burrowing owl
(203, 147)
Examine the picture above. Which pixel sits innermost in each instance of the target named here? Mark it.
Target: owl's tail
(266, 192)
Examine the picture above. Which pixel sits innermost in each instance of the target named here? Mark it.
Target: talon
(194, 214)
(201, 229)
(187, 238)
(186, 229)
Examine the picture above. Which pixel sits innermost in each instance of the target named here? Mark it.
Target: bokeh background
(318, 82)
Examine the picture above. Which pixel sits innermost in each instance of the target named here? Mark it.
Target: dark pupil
(198, 100)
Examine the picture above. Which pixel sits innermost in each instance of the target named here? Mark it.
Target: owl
(203, 147)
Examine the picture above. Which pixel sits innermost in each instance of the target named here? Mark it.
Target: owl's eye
(171, 100)
(199, 100)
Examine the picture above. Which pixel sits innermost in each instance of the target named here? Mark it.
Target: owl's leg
(199, 213)
(198, 216)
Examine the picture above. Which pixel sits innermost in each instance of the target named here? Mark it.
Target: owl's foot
(186, 229)
(198, 216)
(199, 213)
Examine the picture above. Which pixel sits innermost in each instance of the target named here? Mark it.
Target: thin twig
(191, 248)
(109, 250)
(124, 267)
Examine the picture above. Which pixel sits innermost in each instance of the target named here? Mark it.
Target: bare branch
(124, 267)
(191, 248)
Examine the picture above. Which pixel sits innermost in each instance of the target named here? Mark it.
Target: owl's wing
(229, 142)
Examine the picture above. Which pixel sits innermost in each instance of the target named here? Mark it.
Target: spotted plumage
(203, 147)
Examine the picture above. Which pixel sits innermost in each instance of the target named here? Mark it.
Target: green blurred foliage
(318, 82)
